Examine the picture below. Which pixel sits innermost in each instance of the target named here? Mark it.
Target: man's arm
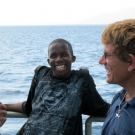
(3, 113)
(8, 107)
(14, 107)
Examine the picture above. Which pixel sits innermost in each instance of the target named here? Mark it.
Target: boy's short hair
(60, 40)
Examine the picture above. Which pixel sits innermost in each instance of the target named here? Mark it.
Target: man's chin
(108, 81)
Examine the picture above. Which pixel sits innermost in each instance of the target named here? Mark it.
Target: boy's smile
(60, 68)
(60, 59)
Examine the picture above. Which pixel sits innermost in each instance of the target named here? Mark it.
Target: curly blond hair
(121, 35)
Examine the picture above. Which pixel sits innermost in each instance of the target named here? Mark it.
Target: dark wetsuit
(58, 105)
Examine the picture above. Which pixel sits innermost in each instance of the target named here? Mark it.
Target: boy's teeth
(62, 66)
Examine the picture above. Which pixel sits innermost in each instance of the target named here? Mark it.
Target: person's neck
(130, 94)
(129, 86)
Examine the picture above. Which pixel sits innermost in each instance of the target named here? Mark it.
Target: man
(61, 96)
(119, 61)
(2, 114)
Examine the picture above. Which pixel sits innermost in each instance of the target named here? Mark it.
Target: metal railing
(15, 115)
(88, 122)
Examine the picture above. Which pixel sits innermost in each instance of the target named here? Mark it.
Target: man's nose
(102, 60)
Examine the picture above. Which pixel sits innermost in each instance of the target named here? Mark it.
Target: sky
(64, 12)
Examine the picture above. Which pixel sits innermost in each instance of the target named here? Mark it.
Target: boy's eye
(64, 55)
(53, 56)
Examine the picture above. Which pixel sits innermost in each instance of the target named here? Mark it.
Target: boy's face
(60, 59)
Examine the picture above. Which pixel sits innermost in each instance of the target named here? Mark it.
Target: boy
(60, 96)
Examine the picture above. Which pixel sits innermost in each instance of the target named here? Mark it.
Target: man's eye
(107, 55)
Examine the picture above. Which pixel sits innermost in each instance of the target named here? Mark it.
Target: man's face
(116, 70)
(60, 59)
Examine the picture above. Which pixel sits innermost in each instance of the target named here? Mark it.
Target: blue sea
(23, 48)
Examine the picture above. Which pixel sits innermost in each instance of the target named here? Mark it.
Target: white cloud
(110, 17)
(42, 12)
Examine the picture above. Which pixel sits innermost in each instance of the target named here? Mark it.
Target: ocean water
(23, 48)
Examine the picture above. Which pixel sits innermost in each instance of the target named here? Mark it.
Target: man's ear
(73, 58)
(131, 65)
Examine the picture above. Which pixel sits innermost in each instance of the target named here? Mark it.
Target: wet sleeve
(27, 105)
(93, 102)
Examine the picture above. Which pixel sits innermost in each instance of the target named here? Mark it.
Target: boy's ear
(48, 61)
(73, 59)
(131, 63)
